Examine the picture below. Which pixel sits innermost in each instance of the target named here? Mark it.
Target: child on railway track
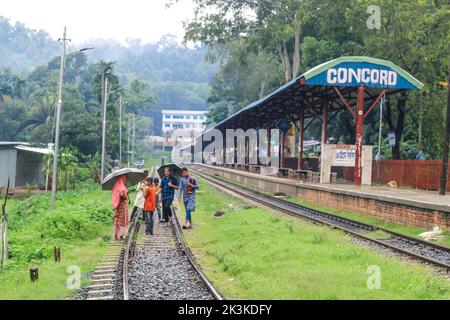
(188, 186)
(158, 199)
(149, 206)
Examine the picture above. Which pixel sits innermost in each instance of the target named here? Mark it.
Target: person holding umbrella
(167, 189)
(120, 204)
(118, 182)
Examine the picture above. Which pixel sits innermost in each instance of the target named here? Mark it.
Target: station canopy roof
(309, 91)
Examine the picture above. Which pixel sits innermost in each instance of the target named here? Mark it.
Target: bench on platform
(333, 177)
(313, 177)
(284, 172)
(300, 174)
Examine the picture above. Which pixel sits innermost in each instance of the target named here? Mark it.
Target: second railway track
(427, 252)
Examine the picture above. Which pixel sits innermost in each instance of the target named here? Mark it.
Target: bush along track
(80, 226)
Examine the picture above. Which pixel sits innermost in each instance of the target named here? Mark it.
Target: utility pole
(134, 138)
(63, 41)
(128, 140)
(120, 130)
(444, 170)
(105, 101)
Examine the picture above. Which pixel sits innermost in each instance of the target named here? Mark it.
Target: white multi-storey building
(183, 119)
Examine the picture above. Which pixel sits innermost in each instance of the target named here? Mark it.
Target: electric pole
(120, 130)
(105, 101)
(63, 41)
(128, 140)
(134, 137)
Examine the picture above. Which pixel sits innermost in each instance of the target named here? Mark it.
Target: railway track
(427, 252)
(161, 267)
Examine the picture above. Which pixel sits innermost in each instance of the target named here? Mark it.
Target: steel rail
(322, 218)
(188, 254)
(129, 240)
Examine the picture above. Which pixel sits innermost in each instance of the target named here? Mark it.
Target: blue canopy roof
(308, 91)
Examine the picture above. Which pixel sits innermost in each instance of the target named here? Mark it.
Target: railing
(419, 174)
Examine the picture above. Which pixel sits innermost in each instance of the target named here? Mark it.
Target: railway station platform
(408, 207)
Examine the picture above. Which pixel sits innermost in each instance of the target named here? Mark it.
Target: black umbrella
(133, 177)
(174, 168)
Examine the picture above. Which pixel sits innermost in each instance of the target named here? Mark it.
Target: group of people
(153, 195)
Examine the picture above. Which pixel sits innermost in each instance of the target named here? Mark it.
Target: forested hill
(177, 76)
(23, 49)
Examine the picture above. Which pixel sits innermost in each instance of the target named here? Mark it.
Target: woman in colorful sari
(120, 204)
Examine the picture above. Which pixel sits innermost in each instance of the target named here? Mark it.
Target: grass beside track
(250, 253)
(410, 231)
(395, 227)
(81, 226)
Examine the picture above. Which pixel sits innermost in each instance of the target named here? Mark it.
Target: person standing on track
(149, 206)
(120, 204)
(140, 197)
(167, 189)
(158, 199)
(188, 186)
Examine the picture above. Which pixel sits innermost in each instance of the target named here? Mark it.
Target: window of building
(178, 116)
(167, 116)
(178, 126)
(167, 125)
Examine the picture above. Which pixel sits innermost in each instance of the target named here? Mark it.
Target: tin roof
(13, 143)
(34, 150)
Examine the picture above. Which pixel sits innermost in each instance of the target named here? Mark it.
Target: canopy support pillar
(269, 144)
(359, 135)
(235, 151)
(281, 148)
(325, 121)
(247, 150)
(224, 151)
(300, 140)
(257, 148)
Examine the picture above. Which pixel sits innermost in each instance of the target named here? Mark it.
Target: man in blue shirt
(167, 189)
(188, 186)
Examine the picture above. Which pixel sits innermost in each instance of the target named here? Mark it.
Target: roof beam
(374, 103)
(344, 101)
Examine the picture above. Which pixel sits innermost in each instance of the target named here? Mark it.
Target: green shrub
(69, 225)
(81, 215)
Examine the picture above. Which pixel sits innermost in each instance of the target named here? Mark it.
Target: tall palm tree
(42, 112)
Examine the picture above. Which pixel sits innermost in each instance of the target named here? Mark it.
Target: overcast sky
(111, 19)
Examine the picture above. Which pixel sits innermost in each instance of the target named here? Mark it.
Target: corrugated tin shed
(22, 164)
